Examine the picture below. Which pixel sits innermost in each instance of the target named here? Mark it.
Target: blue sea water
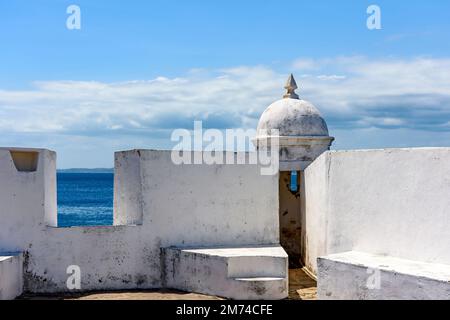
(85, 199)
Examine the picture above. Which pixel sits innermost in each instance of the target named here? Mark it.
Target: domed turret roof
(292, 116)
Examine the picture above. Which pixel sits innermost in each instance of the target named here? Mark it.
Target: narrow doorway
(290, 216)
(302, 285)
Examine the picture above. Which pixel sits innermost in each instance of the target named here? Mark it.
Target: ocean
(85, 199)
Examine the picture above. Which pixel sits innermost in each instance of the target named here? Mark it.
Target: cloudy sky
(134, 72)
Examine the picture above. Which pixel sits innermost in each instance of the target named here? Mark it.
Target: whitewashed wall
(392, 202)
(167, 205)
(27, 199)
(208, 204)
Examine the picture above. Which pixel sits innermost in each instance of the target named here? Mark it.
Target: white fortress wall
(188, 205)
(27, 197)
(314, 211)
(28, 216)
(392, 202)
(128, 208)
(208, 205)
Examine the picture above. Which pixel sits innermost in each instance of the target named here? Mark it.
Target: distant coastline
(84, 170)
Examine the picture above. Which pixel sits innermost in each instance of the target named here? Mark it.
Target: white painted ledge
(352, 276)
(256, 273)
(11, 276)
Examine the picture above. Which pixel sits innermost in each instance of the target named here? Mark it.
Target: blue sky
(139, 69)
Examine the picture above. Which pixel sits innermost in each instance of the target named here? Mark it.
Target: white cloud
(352, 93)
(305, 64)
(92, 106)
(330, 77)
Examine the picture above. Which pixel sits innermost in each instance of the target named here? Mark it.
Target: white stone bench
(357, 276)
(11, 275)
(237, 273)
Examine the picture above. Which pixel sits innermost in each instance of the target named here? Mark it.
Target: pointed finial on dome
(290, 86)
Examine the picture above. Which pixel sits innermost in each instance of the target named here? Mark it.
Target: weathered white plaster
(11, 275)
(298, 126)
(383, 202)
(208, 205)
(165, 205)
(362, 276)
(293, 118)
(391, 202)
(128, 205)
(235, 273)
(28, 200)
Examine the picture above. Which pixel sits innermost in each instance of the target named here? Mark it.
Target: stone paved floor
(150, 295)
(127, 295)
(301, 287)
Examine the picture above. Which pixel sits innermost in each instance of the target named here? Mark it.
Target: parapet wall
(387, 202)
(27, 196)
(157, 204)
(192, 205)
(392, 202)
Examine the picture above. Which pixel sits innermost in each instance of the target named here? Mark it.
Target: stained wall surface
(157, 204)
(392, 202)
